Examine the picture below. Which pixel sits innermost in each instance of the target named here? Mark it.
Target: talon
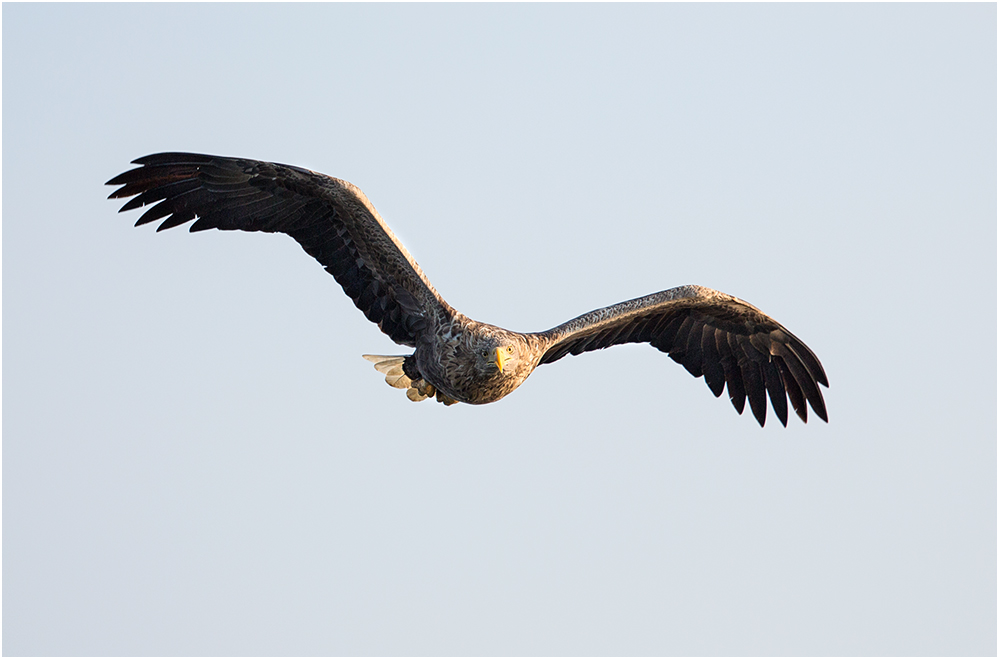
(441, 398)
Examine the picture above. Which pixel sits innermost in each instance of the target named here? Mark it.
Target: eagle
(729, 342)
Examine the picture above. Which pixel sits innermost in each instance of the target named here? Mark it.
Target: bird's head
(488, 364)
(498, 357)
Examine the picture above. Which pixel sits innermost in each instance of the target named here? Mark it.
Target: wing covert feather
(722, 338)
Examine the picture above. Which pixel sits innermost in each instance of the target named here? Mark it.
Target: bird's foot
(441, 398)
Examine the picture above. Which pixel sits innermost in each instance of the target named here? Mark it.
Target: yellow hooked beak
(501, 357)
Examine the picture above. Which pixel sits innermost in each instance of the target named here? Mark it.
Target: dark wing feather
(727, 341)
(331, 219)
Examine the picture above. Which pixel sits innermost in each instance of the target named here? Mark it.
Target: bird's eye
(509, 349)
(484, 353)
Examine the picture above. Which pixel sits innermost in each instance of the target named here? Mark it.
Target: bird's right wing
(726, 340)
(331, 219)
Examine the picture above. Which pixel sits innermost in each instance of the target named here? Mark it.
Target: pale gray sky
(198, 461)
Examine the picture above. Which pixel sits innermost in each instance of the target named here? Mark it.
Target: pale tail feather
(385, 362)
(399, 380)
(414, 395)
(391, 366)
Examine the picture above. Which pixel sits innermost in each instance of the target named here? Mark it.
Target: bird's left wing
(331, 219)
(726, 340)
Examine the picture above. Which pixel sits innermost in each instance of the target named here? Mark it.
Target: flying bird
(456, 359)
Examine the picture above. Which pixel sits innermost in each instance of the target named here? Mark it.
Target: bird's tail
(391, 366)
(395, 376)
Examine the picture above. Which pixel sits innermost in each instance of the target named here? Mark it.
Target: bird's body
(728, 341)
(477, 363)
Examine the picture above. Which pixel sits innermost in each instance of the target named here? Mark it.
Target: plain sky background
(196, 460)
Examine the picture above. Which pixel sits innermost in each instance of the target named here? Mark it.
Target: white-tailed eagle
(727, 341)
